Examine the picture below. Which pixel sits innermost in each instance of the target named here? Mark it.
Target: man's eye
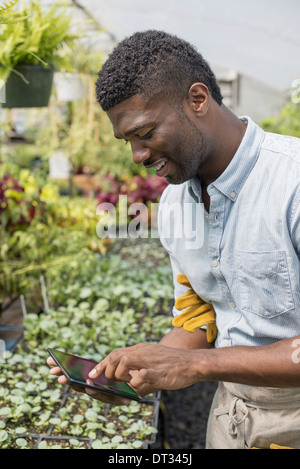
(147, 135)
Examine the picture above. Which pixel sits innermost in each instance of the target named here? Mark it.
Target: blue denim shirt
(246, 258)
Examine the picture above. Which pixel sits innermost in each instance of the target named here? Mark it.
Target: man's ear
(198, 98)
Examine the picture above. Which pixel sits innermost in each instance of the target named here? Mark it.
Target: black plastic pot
(36, 93)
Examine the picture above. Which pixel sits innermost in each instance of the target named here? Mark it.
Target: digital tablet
(77, 369)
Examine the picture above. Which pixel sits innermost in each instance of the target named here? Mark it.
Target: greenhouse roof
(259, 39)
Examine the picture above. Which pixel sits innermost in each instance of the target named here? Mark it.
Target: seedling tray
(54, 436)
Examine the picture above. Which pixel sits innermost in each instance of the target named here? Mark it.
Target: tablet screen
(78, 368)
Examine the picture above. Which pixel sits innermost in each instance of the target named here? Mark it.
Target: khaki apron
(245, 417)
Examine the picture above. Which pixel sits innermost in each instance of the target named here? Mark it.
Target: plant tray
(112, 434)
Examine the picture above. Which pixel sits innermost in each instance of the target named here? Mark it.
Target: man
(243, 186)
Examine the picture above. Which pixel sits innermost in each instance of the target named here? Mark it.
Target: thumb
(97, 371)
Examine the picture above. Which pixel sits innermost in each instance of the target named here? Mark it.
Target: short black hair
(150, 63)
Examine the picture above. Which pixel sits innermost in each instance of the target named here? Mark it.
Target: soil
(60, 443)
(183, 423)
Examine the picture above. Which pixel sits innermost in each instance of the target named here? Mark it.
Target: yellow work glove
(273, 446)
(196, 312)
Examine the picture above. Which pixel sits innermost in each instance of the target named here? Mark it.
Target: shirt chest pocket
(264, 283)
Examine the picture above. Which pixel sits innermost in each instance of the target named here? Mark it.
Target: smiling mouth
(157, 165)
(162, 169)
(160, 166)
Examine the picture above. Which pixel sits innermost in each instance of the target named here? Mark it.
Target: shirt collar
(231, 181)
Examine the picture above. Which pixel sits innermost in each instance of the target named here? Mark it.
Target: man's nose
(139, 153)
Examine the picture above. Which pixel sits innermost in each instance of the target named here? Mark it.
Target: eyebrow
(133, 130)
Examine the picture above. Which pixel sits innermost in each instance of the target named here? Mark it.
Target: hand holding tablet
(76, 370)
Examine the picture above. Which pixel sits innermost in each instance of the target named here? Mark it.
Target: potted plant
(69, 86)
(75, 86)
(7, 16)
(30, 50)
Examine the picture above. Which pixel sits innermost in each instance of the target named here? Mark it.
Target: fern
(7, 16)
(8, 5)
(37, 39)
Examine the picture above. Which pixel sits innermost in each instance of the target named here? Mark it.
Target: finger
(118, 364)
(62, 379)
(183, 280)
(97, 370)
(119, 370)
(187, 314)
(128, 363)
(51, 362)
(211, 332)
(139, 385)
(111, 359)
(133, 372)
(190, 298)
(90, 391)
(145, 381)
(55, 371)
(110, 364)
(198, 321)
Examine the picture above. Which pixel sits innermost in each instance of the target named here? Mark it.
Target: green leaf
(24, 408)
(137, 444)
(116, 439)
(3, 435)
(55, 421)
(21, 430)
(5, 411)
(97, 444)
(74, 442)
(91, 415)
(85, 292)
(21, 442)
(78, 418)
(43, 445)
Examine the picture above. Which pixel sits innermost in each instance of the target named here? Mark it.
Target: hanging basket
(69, 87)
(36, 93)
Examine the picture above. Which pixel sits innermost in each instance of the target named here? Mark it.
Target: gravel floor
(183, 424)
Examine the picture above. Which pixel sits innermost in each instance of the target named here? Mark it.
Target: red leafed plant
(15, 210)
(138, 189)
